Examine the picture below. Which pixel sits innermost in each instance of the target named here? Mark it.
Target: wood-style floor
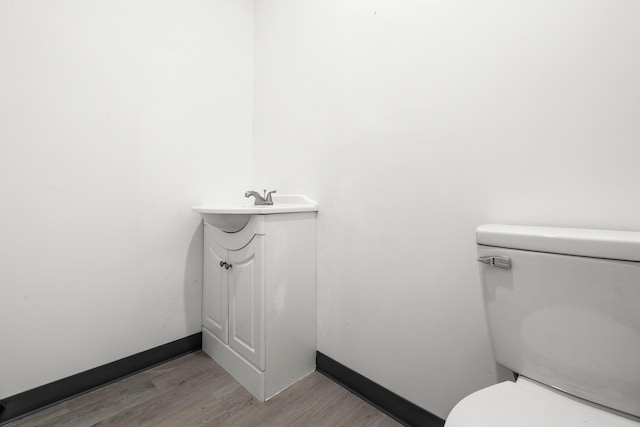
(194, 391)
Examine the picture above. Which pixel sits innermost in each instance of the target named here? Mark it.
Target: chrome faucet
(265, 199)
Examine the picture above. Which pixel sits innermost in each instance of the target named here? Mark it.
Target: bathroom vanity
(259, 291)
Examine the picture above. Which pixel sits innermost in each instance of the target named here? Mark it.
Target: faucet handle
(268, 198)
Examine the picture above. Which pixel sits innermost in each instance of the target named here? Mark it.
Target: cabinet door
(246, 301)
(215, 299)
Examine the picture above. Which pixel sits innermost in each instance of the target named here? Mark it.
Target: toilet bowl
(525, 403)
(562, 310)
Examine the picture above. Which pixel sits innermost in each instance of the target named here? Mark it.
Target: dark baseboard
(48, 394)
(385, 400)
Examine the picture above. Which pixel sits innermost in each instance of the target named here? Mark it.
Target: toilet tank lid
(609, 244)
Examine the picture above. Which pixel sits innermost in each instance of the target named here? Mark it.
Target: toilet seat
(525, 403)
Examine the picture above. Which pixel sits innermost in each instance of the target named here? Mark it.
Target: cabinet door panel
(215, 299)
(246, 301)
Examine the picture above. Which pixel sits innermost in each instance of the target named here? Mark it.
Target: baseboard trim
(387, 401)
(38, 398)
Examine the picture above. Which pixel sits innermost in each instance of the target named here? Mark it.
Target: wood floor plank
(109, 392)
(41, 416)
(181, 370)
(194, 391)
(178, 405)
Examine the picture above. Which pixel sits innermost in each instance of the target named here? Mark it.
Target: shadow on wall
(193, 279)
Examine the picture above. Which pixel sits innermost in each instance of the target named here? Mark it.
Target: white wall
(412, 122)
(115, 118)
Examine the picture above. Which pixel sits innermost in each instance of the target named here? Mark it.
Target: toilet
(563, 311)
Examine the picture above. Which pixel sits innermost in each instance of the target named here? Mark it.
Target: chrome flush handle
(496, 261)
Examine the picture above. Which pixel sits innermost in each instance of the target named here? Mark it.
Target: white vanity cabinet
(259, 300)
(233, 295)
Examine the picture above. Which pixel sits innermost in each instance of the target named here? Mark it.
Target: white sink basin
(226, 222)
(232, 218)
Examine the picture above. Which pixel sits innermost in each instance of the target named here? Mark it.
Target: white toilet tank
(563, 308)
